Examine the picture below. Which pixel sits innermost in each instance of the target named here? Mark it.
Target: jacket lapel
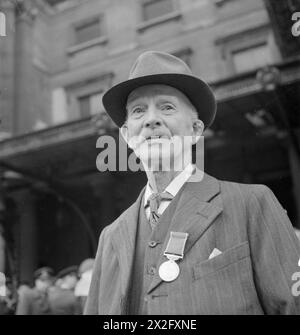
(123, 241)
(194, 214)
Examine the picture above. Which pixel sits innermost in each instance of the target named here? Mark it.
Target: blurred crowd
(62, 294)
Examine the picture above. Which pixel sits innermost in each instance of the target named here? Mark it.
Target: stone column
(2, 239)
(2, 250)
(24, 71)
(295, 173)
(7, 65)
(27, 231)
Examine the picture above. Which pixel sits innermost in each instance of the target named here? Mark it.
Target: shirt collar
(175, 185)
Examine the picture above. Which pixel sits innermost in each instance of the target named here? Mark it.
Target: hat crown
(154, 62)
(159, 68)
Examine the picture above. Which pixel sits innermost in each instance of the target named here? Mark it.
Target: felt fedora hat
(154, 67)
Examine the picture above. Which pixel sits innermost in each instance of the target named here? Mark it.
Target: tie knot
(155, 199)
(154, 202)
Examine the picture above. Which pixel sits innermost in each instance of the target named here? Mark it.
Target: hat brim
(67, 271)
(198, 92)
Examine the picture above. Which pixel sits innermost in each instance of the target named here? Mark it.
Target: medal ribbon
(176, 244)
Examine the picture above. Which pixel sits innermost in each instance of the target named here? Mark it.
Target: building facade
(56, 61)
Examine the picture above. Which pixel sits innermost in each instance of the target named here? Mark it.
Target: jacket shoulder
(243, 197)
(243, 190)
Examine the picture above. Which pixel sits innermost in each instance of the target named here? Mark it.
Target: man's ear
(198, 128)
(124, 132)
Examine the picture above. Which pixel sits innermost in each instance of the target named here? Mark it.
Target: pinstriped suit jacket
(253, 275)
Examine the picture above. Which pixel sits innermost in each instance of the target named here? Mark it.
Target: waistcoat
(148, 248)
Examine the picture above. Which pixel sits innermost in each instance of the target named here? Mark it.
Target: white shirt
(83, 285)
(173, 188)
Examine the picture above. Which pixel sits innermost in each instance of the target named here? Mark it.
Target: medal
(169, 270)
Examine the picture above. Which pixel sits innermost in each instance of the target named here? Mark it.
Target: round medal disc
(168, 271)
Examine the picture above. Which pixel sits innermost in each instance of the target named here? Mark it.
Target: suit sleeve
(92, 303)
(77, 308)
(275, 251)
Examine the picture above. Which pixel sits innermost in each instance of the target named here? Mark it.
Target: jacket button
(152, 244)
(152, 270)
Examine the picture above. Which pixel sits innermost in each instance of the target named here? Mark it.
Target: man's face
(42, 285)
(70, 281)
(160, 124)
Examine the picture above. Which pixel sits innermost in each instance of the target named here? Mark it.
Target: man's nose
(152, 119)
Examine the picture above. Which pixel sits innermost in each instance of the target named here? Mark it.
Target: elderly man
(188, 245)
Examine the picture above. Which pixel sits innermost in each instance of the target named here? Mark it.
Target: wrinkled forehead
(150, 91)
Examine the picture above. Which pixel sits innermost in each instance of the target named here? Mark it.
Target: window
(88, 30)
(247, 50)
(251, 58)
(90, 104)
(87, 34)
(84, 97)
(153, 9)
(84, 106)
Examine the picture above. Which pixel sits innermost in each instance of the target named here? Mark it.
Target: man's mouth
(156, 137)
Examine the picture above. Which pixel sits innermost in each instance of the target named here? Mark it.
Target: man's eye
(167, 107)
(137, 111)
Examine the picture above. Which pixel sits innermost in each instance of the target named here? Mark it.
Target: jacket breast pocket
(227, 258)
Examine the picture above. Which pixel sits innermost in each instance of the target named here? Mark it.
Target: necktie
(154, 202)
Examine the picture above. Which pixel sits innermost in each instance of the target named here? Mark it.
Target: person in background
(7, 301)
(34, 301)
(62, 299)
(83, 285)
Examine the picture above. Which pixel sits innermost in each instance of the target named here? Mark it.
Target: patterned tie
(154, 202)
